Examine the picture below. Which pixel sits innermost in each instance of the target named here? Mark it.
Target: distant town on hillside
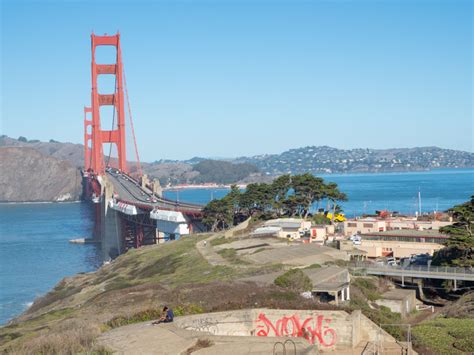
(329, 160)
(242, 170)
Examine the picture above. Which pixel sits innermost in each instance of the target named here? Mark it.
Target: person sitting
(167, 316)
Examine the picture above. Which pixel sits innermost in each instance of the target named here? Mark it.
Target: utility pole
(419, 202)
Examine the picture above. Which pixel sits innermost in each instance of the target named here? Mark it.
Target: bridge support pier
(111, 232)
(108, 225)
(403, 280)
(455, 285)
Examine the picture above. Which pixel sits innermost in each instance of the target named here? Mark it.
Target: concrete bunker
(330, 330)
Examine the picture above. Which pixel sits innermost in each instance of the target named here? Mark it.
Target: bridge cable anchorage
(113, 115)
(139, 168)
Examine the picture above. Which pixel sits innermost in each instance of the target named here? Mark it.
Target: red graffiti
(311, 329)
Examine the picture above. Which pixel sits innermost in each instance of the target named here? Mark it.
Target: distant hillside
(26, 175)
(204, 171)
(223, 172)
(318, 160)
(195, 170)
(73, 153)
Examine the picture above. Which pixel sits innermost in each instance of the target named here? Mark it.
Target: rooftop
(286, 223)
(397, 294)
(270, 230)
(409, 233)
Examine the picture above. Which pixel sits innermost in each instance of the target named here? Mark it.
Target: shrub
(187, 309)
(445, 335)
(313, 266)
(367, 287)
(295, 280)
(151, 314)
(321, 219)
(143, 316)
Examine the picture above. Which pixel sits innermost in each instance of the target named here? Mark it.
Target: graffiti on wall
(313, 328)
(203, 325)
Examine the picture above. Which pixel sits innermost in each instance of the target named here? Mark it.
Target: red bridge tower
(94, 156)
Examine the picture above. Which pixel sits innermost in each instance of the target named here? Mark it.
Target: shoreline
(36, 202)
(202, 187)
(326, 175)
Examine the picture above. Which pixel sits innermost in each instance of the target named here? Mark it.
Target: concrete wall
(371, 225)
(414, 224)
(399, 301)
(329, 330)
(377, 248)
(368, 331)
(361, 226)
(397, 306)
(110, 225)
(318, 234)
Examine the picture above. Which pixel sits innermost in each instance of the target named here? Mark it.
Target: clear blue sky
(232, 78)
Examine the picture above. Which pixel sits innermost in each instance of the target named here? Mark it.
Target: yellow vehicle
(339, 217)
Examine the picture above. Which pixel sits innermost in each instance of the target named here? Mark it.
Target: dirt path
(207, 251)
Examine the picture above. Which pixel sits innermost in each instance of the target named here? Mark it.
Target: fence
(434, 272)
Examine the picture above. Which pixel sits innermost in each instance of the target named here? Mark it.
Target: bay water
(35, 253)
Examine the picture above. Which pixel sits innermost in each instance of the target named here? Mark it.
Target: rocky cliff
(26, 175)
(73, 153)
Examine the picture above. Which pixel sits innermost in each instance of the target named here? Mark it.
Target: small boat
(83, 241)
(95, 199)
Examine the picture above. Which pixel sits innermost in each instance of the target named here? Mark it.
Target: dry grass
(70, 336)
(141, 316)
(240, 295)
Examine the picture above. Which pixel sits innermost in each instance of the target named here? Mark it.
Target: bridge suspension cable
(139, 168)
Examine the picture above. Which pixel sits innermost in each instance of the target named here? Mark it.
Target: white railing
(417, 268)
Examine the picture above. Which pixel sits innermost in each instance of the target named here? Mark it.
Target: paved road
(297, 255)
(130, 191)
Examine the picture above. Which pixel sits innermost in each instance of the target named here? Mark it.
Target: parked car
(404, 262)
(391, 261)
(421, 259)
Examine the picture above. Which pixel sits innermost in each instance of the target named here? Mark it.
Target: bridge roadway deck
(423, 272)
(129, 191)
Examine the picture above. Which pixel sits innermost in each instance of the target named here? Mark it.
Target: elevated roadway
(129, 191)
(421, 272)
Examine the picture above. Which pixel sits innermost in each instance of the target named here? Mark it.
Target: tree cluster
(287, 195)
(295, 280)
(459, 250)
